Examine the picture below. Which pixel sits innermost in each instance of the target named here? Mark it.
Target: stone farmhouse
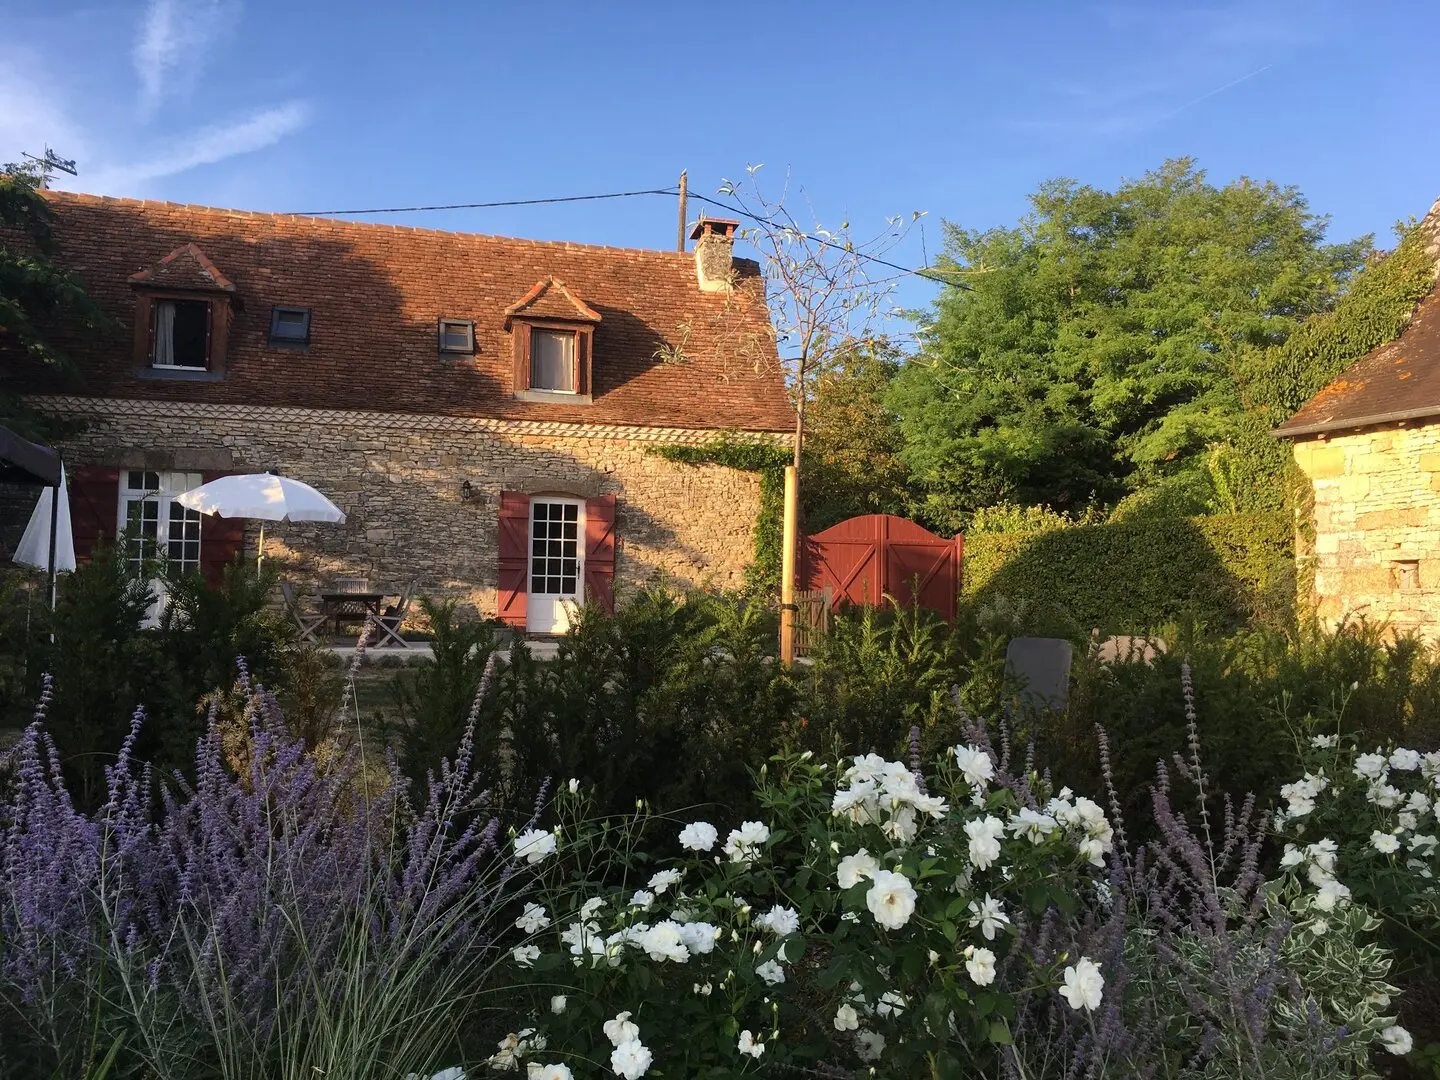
(484, 409)
(1370, 444)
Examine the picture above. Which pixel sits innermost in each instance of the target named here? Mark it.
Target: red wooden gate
(869, 558)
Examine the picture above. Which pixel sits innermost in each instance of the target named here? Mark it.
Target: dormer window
(457, 336)
(289, 326)
(553, 333)
(182, 317)
(552, 360)
(180, 335)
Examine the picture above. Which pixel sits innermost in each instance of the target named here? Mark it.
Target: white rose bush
(871, 917)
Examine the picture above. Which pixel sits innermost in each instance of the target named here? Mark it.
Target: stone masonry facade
(421, 493)
(1377, 525)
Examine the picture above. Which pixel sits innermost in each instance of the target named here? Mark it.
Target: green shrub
(1140, 573)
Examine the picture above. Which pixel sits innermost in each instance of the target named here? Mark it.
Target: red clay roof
(550, 299)
(1397, 381)
(184, 268)
(375, 293)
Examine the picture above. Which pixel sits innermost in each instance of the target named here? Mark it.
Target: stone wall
(1377, 525)
(401, 480)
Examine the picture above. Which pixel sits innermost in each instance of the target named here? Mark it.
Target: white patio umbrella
(49, 518)
(263, 496)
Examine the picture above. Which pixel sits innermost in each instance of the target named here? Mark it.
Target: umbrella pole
(260, 555)
(54, 531)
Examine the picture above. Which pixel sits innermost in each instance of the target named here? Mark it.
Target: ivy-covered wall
(1138, 574)
(768, 459)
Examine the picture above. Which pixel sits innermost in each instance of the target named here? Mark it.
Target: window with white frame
(153, 524)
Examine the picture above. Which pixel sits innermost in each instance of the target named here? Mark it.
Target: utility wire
(930, 273)
(672, 190)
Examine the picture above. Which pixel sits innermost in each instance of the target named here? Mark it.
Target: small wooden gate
(865, 559)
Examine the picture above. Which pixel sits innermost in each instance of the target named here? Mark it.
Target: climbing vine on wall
(1282, 378)
(768, 460)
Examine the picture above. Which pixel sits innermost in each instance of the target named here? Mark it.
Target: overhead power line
(926, 272)
(672, 190)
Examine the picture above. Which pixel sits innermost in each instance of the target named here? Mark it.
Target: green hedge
(1138, 574)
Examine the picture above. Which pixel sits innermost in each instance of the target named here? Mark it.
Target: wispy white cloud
(174, 37)
(204, 147)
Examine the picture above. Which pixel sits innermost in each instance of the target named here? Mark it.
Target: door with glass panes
(557, 555)
(155, 528)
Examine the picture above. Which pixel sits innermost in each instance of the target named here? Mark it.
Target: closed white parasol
(263, 496)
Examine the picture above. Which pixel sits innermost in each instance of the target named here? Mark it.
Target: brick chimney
(714, 240)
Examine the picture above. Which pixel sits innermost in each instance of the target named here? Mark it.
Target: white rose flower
(699, 937)
(526, 955)
(661, 880)
(779, 921)
(1397, 1040)
(749, 1045)
(891, 899)
(984, 837)
(1322, 853)
(533, 919)
(975, 765)
(870, 1045)
(1083, 985)
(574, 785)
(854, 869)
(534, 845)
(980, 965)
(988, 915)
(1370, 766)
(1385, 796)
(846, 1018)
(664, 941)
(1032, 825)
(743, 844)
(642, 899)
(1405, 760)
(621, 1029)
(551, 1072)
(698, 836)
(1423, 843)
(1384, 843)
(771, 972)
(1324, 742)
(1330, 894)
(630, 1059)
(557, 1004)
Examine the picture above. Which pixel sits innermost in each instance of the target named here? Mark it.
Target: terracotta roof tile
(186, 267)
(375, 292)
(1397, 381)
(550, 299)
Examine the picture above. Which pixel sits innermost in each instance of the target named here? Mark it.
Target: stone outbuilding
(484, 409)
(1370, 444)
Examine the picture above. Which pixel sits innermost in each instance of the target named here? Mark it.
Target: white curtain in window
(552, 360)
(164, 334)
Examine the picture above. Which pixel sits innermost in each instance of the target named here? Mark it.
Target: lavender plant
(292, 920)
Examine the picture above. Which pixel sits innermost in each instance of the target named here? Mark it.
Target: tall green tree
(1100, 344)
(852, 448)
(35, 293)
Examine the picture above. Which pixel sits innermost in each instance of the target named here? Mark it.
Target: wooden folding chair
(388, 622)
(306, 622)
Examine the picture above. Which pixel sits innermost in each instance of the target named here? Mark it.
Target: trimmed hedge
(1139, 574)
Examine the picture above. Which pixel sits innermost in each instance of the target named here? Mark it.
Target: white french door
(557, 563)
(155, 526)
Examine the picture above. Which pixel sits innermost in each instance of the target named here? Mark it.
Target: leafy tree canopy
(35, 293)
(1102, 341)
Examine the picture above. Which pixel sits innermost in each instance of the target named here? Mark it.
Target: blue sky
(958, 109)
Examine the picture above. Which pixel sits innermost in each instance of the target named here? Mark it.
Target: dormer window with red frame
(182, 317)
(553, 332)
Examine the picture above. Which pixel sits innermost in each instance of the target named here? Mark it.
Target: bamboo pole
(787, 566)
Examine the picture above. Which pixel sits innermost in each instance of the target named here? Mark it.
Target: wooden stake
(684, 198)
(787, 566)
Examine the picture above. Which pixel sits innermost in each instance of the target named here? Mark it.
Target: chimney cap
(724, 226)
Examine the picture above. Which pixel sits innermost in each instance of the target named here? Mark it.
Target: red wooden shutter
(94, 506)
(600, 551)
(512, 583)
(221, 540)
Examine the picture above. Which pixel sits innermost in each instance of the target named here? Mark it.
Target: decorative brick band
(171, 410)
